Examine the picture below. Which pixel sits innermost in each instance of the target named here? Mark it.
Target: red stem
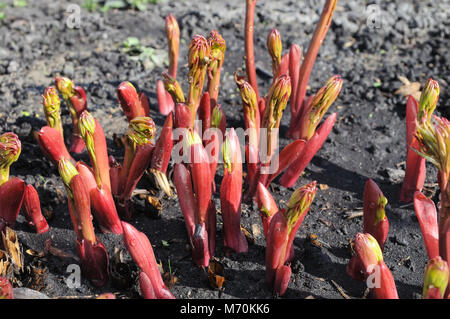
(293, 172)
(32, 210)
(249, 48)
(427, 216)
(313, 50)
(378, 229)
(163, 147)
(415, 173)
(295, 57)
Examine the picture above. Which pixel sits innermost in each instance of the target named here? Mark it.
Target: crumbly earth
(370, 44)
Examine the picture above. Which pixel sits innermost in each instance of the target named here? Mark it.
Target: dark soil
(408, 38)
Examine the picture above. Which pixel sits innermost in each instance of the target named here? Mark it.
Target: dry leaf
(326, 222)
(12, 247)
(118, 140)
(121, 273)
(323, 187)
(35, 253)
(216, 275)
(314, 240)
(349, 43)
(250, 239)
(36, 277)
(5, 269)
(58, 252)
(169, 279)
(153, 207)
(256, 230)
(409, 88)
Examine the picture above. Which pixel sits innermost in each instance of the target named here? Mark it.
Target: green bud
(52, 106)
(381, 213)
(10, 148)
(325, 97)
(279, 94)
(141, 130)
(368, 249)
(248, 96)
(172, 28)
(436, 276)
(434, 142)
(51, 101)
(216, 116)
(299, 202)
(199, 53)
(86, 124)
(173, 87)
(67, 171)
(275, 48)
(428, 100)
(226, 150)
(191, 137)
(66, 87)
(218, 46)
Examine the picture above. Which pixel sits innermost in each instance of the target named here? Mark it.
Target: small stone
(68, 70)
(26, 293)
(416, 295)
(399, 240)
(256, 231)
(395, 175)
(13, 66)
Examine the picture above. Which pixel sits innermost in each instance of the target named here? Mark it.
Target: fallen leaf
(323, 187)
(36, 276)
(216, 275)
(314, 240)
(349, 43)
(12, 247)
(121, 273)
(35, 253)
(256, 230)
(153, 207)
(326, 222)
(5, 269)
(408, 88)
(169, 279)
(58, 252)
(250, 239)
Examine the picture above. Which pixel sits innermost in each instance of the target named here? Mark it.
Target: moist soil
(369, 46)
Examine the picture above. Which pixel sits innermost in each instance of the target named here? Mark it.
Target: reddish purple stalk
(294, 170)
(193, 183)
(141, 250)
(280, 236)
(231, 194)
(249, 46)
(32, 210)
(415, 173)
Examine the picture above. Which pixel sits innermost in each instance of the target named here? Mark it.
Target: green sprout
(139, 52)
